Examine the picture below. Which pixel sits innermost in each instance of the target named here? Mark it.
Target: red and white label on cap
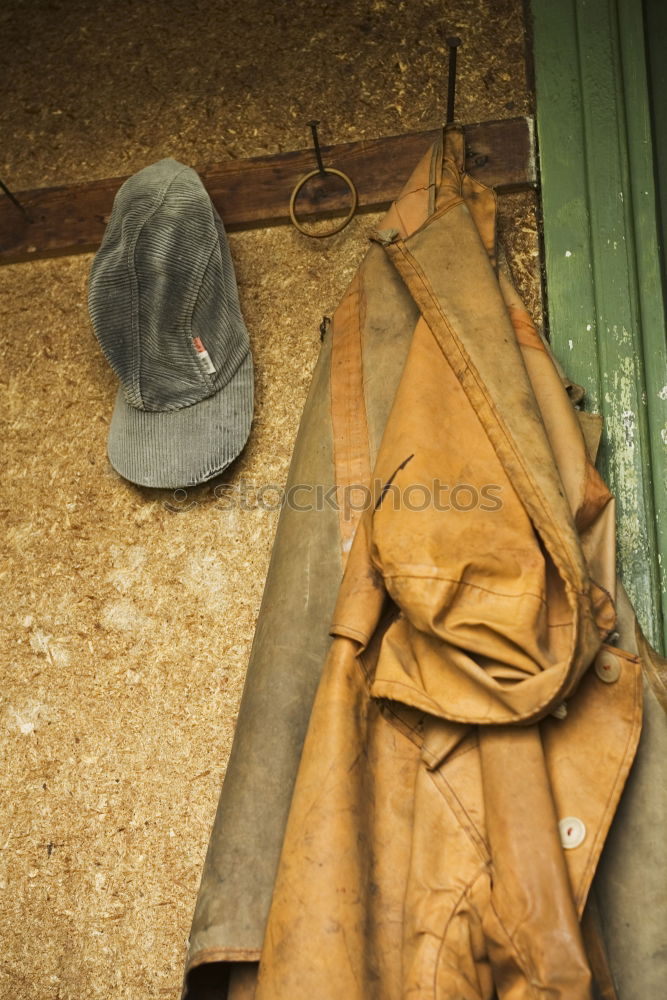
(204, 356)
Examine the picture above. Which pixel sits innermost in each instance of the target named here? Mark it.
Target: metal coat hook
(316, 145)
(322, 171)
(453, 44)
(15, 201)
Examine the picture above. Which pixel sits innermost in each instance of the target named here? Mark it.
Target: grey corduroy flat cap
(164, 307)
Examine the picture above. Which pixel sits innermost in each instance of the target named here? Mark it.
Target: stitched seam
(411, 262)
(436, 215)
(598, 843)
(346, 388)
(458, 200)
(527, 965)
(344, 630)
(386, 706)
(134, 282)
(470, 719)
(462, 583)
(466, 891)
(468, 826)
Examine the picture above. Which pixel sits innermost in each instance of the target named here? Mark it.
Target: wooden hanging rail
(255, 192)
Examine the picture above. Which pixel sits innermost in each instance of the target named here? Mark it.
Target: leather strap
(351, 446)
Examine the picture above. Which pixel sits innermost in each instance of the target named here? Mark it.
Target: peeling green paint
(606, 311)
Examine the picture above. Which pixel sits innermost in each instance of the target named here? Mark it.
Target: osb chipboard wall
(129, 613)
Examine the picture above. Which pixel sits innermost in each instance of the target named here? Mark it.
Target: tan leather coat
(475, 723)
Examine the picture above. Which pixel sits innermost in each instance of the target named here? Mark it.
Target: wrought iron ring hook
(297, 190)
(321, 171)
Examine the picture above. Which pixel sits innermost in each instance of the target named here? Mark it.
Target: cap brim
(178, 448)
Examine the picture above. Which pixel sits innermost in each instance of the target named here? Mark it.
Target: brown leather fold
(530, 896)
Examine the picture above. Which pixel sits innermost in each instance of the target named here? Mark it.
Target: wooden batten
(255, 192)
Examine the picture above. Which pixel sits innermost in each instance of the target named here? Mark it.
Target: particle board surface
(129, 613)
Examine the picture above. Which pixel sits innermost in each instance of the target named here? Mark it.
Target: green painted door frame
(604, 284)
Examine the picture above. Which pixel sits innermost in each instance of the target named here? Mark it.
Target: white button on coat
(572, 832)
(608, 667)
